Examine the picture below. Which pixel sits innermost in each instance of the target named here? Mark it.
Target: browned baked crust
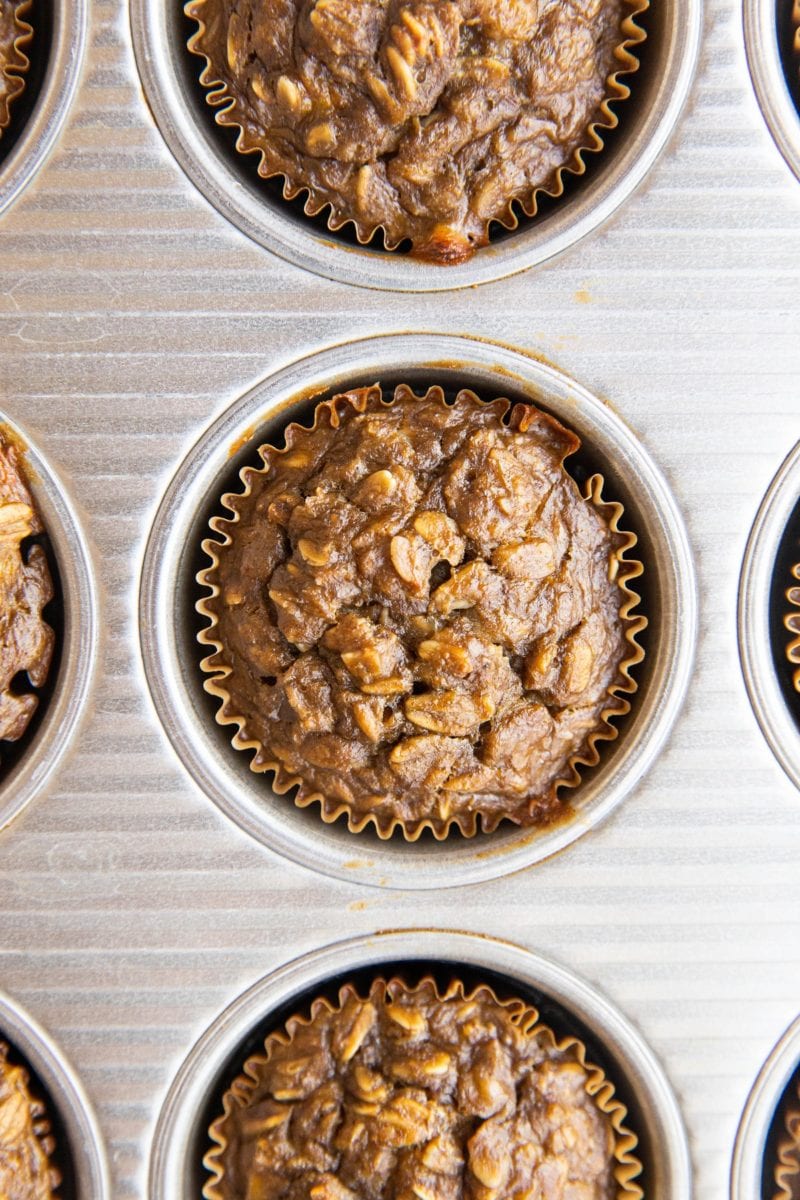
(787, 1170)
(416, 616)
(26, 640)
(792, 623)
(15, 33)
(417, 1095)
(26, 1172)
(426, 119)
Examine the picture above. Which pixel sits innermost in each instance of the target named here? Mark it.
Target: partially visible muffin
(791, 622)
(787, 1169)
(15, 33)
(416, 614)
(26, 1146)
(425, 119)
(26, 640)
(412, 1095)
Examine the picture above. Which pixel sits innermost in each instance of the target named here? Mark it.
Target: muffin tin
(80, 1152)
(29, 763)
(173, 556)
(754, 1157)
(136, 320)
(566, 1002)
(230, 181)
(766, 26)
(763, 638)
(56, 56)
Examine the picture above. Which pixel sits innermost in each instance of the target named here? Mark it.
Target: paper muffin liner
(15, 34)
(627, 63)
(787, 1168)
(623, 569)
(792, 621)
(796, 26)
(38, 1114)
(628, 1166)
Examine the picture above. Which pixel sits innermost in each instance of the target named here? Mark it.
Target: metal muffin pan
(168, 593)
(64, 696)
(751, 1140)
(231, 183)
(36, 122)
(132, 316)
(82, 1160)
(194, 1096)
(756, 641)
(769, 79)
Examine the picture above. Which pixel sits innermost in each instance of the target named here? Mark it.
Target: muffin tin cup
(68, 22)
(180, 1137)
(71, 672)
(169, 76)
(777, 723)
(171, 654)
(66, 1103)
(769, 80)
(754, 1127)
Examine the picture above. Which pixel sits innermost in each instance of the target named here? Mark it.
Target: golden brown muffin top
(25, 1144)
(425, 118)
(417, 614)
(14, 34)
(26, 640)
(414, 1096)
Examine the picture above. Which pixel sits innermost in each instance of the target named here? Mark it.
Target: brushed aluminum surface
(168, 594)
(47, 745)
(132, 316)
(69, 20)
(169, 76)
(65, 1095)
(653, 1113)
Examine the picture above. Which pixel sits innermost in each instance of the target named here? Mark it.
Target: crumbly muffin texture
(14, 33)
(425, 118)
(417, 614)
(25, 1143)
(415, 1097)
(26, 640)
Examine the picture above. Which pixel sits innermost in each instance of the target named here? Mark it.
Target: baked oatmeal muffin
(426, 119)
(409, 1095)
(26, 1146)
(416, 615)
(787, 1170)
(15, 33)
(26, 640)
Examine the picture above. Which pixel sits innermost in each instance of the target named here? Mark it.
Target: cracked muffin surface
(25, 1143)
(26, 640)
(424, 118)
(416, 614)
(410, 1095)
(14, 34)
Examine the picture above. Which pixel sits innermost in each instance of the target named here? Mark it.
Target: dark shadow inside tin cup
(630, 112)
(788, 555)
(38, 51)
(581, 466)
(561, 1019)
(12, 753)
(62, 1157)
(790, 59)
